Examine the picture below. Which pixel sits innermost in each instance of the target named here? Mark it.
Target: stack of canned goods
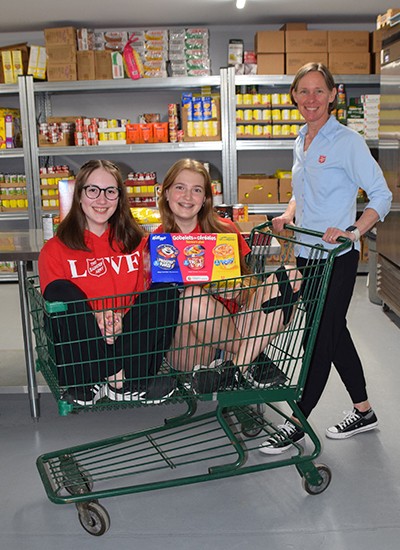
(141, 188)
(234, 212)
(55, 131)
(174, 126)
(13, 192)
(49, 178)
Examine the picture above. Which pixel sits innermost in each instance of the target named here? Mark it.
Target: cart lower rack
(248, 361)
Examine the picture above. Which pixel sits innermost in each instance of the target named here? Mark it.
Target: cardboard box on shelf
(253, 221)
(376, 41)
(61, 72)
(257, 189)
(294, 27)
(349, 63)
(85, 65)
(296, 60)
(306, 41)
(271, 63)
(65, 140)
(390, 53)
(103, 65)
(348, 41)
(37, 64)
(285, 189)
(60, 35)
(61, 53)
(376, 63)
(269, 42)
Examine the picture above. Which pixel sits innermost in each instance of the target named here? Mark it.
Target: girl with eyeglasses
(112, 343)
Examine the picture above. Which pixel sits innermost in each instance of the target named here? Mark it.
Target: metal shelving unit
(36, 99)
(39, 98)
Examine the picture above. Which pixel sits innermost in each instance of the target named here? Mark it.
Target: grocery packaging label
(193, 258)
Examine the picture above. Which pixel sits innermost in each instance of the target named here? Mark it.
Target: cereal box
(193, 258)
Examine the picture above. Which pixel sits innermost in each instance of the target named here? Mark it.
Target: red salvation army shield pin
(322, 159)
(96, 267)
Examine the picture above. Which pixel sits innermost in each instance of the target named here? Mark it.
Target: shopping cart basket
(220, 442)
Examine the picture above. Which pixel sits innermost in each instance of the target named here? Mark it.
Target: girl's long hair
(208, 219)
(123, 227)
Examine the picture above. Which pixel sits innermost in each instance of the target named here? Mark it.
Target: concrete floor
(359, 510)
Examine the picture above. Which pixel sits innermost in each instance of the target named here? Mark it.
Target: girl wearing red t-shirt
(208, 322)
(109, 341)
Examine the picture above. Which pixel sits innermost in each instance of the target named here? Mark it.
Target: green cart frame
(192, 448)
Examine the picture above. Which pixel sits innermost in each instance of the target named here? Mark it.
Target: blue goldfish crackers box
(193, 258)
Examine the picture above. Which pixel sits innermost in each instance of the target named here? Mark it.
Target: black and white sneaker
(263, 373)
(86, 395)
(353, 423)
(282, 440)
(219, 375)
(125, 393)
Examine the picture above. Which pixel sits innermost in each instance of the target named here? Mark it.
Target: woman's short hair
(315, 68)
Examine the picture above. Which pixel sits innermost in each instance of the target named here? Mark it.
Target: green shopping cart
(252, 362)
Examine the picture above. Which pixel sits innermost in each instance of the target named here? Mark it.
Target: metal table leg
(28, 344)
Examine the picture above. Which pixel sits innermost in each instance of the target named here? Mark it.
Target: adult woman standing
(331, 163)
(108, 343)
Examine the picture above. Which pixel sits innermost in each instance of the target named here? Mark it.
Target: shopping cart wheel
(93, 517)
(252, 426)
(326, 475)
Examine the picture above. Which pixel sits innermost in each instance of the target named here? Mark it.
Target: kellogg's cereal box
(193, 258)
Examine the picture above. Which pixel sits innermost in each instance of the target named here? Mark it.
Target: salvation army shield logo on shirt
(96, 267)
(322, 159)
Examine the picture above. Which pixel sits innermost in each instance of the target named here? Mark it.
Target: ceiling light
(240, 4)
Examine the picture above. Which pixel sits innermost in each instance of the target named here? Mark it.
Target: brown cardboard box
(349, 63)
(376, 63)
(296, 60)
(376, 41)
(61, 72)
(271, 63)
(390, 53)
(257, 189)
(64, 141)
(348, 41)
(253, 221)
(285, 189)
(294, 27)
(61, 53)
(60, 35)
(306, 41)
(269, 42)
(103, 65)
(86, 65)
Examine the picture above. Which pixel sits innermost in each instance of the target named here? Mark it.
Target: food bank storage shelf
(133, 148)
(8, 89)
(261, 144)
(286, 80)
(12, 153)
(127, 84)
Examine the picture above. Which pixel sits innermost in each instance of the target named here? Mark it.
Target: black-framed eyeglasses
(93, 192)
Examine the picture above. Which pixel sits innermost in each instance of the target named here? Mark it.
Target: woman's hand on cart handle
(279, 222)
(110, 324)
(333, 235)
